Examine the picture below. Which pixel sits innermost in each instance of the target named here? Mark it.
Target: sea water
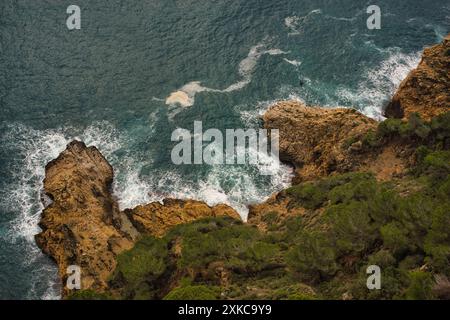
(137, 70)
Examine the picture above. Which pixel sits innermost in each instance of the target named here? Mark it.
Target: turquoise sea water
(106, 84)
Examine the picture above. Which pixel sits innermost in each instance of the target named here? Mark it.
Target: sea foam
(380, 83)
(185, 96)
(33, 149)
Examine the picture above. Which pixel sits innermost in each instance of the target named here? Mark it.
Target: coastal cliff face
(314, 139)
(426, 89)
(326, 142)
(364, 193)
(83, 225)
(156, 218)
(320, 142)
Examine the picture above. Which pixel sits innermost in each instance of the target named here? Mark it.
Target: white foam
(35, 149)
(293, 62)
(131, 190)
(296, 23)
(185, 96)
(134, 190)
(380, 83)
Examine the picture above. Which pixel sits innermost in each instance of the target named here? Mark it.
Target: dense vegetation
(352, 221)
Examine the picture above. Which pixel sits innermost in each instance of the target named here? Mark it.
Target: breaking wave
(380, 83)
(33, 149)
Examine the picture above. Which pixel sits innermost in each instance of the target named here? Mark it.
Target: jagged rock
(320, 142)
(426, 89)
(83, 225)
(156, 218)
(315, 139)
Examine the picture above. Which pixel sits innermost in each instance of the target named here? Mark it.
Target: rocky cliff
(323, 142)
(156, 218)
(364, 193)
(426, 89)
(320, 142)
(83, 225)
(314, 139)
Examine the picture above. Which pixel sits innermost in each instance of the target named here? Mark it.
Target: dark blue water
(107, 84)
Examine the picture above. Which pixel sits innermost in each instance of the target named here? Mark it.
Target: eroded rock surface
(156, 218)
(83, 225)
(318, 141)
(425, 89)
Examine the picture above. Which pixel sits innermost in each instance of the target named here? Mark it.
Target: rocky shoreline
(425, 89)
(84, 226)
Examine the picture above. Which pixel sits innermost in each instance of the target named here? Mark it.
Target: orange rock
(156, 218)
(315, 140)
(426, 89)
(83, 225)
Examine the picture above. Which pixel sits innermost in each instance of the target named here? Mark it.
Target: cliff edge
(425, 89)
(83, 224)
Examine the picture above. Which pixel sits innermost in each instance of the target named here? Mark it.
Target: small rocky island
(364, 193)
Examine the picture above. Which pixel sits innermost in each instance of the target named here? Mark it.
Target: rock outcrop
(156, 218)
(318, 141)
(321, 142)
(425, 89)
(83, 225)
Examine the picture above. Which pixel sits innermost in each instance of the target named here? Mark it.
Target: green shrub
(294, 292)
(313, 257)
(437, 240)
(393, 283)
(351, 227)
(145, 260)
(417, 126)
(395, 237)
(420, 286)
(440, 126)
(308, 195)
(371, 139)
(382, 258)
(89, 295)
(301, 296)
(355, 190)
(411, 262)
(437, 165)
(389, 127)
(199, 292)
